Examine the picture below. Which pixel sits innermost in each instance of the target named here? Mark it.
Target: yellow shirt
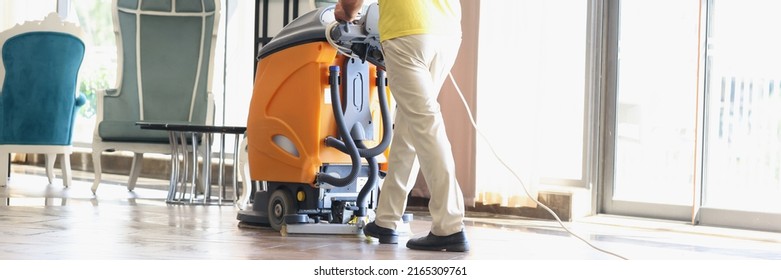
(410, 17)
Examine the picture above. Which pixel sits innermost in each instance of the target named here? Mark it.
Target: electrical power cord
(518, 178)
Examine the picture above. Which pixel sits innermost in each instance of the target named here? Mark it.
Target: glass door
(651, 124)
(742, 178)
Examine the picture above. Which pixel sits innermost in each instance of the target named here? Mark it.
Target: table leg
(185, 165)
(207, 167)
(185, 168)
(220, 178)
(194, 146)
(174, 170)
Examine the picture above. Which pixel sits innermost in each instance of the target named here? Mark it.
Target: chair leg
(50, 158)
(97, 169)
(5, 167)
(66, 170)
(135, 170)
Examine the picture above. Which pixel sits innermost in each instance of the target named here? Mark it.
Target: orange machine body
(291, 115)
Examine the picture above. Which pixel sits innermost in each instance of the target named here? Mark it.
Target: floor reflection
(48, 221)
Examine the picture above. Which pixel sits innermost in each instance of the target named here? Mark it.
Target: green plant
(90, 85)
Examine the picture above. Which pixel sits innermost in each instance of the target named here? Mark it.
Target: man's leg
(403, 170)
(416, 71)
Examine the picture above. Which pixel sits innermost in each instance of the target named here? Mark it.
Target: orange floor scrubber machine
(319, 105)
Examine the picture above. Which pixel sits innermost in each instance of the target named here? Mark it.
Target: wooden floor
(39, 221)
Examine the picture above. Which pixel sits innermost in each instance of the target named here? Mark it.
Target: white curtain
(530, 98)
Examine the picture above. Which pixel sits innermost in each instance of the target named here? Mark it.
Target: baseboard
(559, 203)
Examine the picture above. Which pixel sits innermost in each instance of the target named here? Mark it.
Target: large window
(694, 129)
(99, 69)
(18, 11)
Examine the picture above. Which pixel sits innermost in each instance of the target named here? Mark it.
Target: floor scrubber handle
(387, 126)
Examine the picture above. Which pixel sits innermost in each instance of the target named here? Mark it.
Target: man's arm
(347, 10)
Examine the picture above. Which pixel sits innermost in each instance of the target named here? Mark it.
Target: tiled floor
(48, 222)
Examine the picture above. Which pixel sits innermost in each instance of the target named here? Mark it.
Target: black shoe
(452, 243)
(385, 235)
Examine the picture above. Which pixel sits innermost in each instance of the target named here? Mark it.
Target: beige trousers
(417, 66)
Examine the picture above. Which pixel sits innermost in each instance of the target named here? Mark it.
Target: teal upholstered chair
(39, 69)
(165, 57)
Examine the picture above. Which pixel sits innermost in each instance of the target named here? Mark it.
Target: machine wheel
(280, 203)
